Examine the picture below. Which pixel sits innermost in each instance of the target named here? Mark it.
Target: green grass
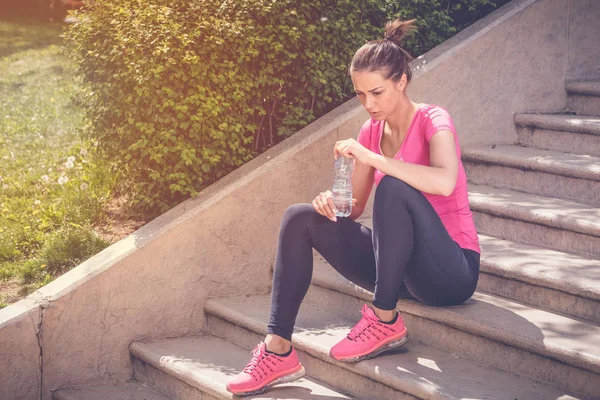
(20, 35)
(50, 177)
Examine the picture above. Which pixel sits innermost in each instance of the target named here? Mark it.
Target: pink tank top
(454, 210)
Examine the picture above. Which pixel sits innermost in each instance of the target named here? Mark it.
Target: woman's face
(379, 96)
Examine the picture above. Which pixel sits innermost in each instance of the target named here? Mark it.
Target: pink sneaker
(265, 369)
(369, 338)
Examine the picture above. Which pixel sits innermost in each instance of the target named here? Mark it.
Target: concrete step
(191, 368)
(556, 281)
(563, 283)
(566, 133)
(418, 370)
(112, 391)
(544, 172)
(589, 125)
(541, 221)
(584, 97)
(489, 330)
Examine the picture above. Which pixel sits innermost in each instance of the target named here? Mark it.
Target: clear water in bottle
(342, 186)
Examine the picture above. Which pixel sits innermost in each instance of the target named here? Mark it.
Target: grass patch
(52, 183)
(69, 247)
(19, 35)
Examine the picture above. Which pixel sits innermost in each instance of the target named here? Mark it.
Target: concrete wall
(20, 357)
(584, 40)
(511, 61)
(154, 282)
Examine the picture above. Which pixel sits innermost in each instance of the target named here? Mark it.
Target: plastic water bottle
(342, 186)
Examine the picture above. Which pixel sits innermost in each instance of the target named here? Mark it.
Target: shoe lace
(365, 323)
(257, 357)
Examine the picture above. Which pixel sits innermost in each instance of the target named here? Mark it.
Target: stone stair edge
(586, 88)
(144, 351)
(511, 210)
(539, 160)
(213, 306)
(415, 385)
(210, 382)
(574, 284)
(462, 322)
(114, 391)
(585, 124)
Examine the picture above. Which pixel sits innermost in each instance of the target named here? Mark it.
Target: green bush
(183, 92)
(438, 20)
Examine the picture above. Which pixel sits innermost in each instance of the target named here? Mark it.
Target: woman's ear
(401, 83)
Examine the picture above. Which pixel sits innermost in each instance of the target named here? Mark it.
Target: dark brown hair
(386, 55)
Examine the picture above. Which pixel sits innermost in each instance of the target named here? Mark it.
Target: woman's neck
(400, 121)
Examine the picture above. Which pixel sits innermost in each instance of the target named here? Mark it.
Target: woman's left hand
(350, 148)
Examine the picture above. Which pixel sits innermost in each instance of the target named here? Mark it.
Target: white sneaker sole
(284, 379)
(386, 347)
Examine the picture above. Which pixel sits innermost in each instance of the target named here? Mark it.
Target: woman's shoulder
(437, 115)
(433, 110)
(437, 118)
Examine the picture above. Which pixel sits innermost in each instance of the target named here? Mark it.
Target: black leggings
(408, 254)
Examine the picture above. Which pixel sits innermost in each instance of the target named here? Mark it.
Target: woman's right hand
(323, 204)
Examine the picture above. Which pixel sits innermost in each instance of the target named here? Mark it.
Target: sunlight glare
(428, 363)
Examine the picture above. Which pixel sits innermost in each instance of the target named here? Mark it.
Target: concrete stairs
(420, 370)
(199, 367)
(542, 221)
(191, 368)
(584, 97)
(532, 330)
(490, 331)
(568, 133)
(543, 172)
(551, 280)
(112, 391)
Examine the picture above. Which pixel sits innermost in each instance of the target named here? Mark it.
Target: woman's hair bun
(397, 29)
(386, 55)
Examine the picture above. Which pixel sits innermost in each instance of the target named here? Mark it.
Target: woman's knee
(393, 187)
(392, 193)
(298, 215)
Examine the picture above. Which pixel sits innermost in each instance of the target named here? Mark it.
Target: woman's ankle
(384, 315)
(277, 344)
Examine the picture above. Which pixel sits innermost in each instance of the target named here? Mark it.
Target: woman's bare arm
(439, 178)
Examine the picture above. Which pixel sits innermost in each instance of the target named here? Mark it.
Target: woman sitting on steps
(423, 244)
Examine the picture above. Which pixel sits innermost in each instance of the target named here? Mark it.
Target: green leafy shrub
(183, 92)
(438, 20)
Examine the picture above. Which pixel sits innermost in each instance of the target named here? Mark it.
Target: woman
(423, 244)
